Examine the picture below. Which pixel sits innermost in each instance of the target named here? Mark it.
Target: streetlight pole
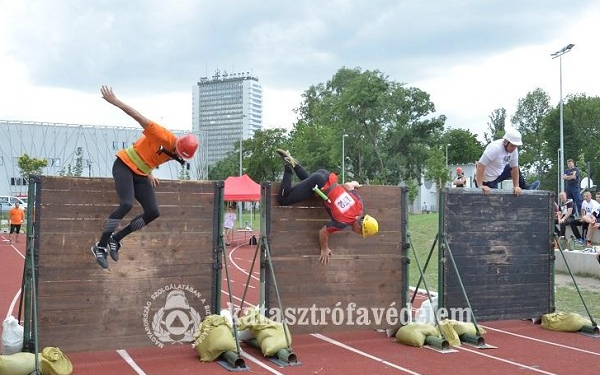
(447, 145)
(561, 161)
(344, 158)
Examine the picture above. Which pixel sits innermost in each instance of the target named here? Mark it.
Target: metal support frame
(29, 286)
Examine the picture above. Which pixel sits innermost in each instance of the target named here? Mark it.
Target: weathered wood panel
(157, 292)
(502, 247)
(366, 277)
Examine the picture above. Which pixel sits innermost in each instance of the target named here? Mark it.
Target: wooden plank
(362, 272)
(84, 307)
(502, 246)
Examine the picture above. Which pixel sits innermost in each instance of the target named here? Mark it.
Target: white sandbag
(426, 312)
(12, 336)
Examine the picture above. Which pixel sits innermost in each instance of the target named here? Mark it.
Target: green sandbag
(213, 338)
(564, 322)
(414, 334)
(17, 364)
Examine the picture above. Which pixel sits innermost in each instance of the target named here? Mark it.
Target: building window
(55, 162)
(1, 160)
(115, 145)
(18, 181)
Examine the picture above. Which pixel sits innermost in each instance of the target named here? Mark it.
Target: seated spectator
(565, 216)
(589, 211)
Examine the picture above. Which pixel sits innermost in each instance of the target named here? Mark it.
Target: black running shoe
(113, 247)
(100, 255)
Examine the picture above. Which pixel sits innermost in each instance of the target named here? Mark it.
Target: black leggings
(130, 185)
(303, 189)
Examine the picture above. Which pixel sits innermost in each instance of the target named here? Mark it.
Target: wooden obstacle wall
(502, 245)
(364, 273)
(155, 294)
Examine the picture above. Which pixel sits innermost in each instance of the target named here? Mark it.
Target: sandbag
(425, 313)
(447, 330)
(213, 338)
(462, 328)
(12, 336)
(54, 362)
(564, 322)
(270, 335)
(414, 334)
(17, 364)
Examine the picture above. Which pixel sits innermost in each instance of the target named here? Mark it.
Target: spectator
(572, 179)
(229, 224)
(424, 209)
(15, 218)
(589, 211)
(566, 217)
(500, 162)
(460, 180)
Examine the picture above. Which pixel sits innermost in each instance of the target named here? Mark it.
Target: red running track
(522, 348)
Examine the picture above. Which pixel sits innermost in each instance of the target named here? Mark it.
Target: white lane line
(13, 303)
(519, 365)
(130, 361)
(238, 299)
(256, 361)
(354, 350)
(541, 341)
(237, 266)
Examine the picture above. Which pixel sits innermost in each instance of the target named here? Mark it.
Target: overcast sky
(471, 56)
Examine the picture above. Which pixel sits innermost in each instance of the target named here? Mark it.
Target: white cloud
(471, 56)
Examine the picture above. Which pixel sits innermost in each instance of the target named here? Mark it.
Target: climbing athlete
(342, 201)
(132, 172)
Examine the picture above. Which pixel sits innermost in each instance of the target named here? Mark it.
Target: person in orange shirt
(132, 172)
(15, 218)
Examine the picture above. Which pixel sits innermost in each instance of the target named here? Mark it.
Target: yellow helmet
(370, 226)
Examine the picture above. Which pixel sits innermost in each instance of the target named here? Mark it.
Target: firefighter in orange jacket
(342, 202)
(132, 172)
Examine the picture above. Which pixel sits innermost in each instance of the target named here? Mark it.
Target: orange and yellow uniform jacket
(145, 154)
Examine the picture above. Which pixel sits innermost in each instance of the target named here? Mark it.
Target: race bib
(344, 201)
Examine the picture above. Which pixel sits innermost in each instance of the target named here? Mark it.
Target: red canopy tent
(241, 188)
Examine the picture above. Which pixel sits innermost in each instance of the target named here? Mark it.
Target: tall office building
(226, 109)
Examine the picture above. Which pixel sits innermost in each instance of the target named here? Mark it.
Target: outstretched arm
(110, 97)
(324, 243)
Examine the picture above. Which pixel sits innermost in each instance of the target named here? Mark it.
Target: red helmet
(458, 170)
(186, 146)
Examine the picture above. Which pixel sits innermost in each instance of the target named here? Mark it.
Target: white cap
(512, 135)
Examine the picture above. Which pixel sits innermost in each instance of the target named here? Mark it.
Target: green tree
(581, 116)
(436, 168)
(495, 126)
(78, 168)
(390, 127)
(184, 172)
(259, 159)
(464, 147)
(529, 120)
(29, 166)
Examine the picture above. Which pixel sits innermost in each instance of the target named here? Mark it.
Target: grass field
(423, 230)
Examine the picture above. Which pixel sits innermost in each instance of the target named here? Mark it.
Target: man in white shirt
(499, 162)
(590, 209)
